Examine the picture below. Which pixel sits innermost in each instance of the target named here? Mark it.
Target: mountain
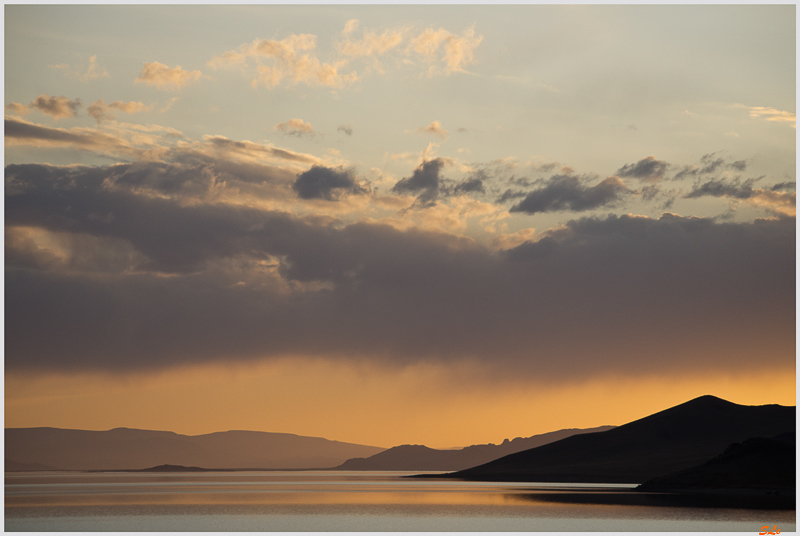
(421, 458)
(126, 448)
(666, 442)
(758, 463)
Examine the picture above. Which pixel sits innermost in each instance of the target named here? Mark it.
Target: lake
(349, 501)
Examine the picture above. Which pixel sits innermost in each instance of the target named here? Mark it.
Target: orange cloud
(435, 128)
(771, 114)
(94, 71)
(458, 50)
(288, 62)
(56, 107)
(99, 109)
(163, 77)
(371, 43)
(295, 127)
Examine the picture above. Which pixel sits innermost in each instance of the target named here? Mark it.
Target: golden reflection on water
(48, 501)
(75, 489)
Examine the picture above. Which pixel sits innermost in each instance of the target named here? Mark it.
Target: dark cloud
(647, 169)
(472, 185)
(614, 295)
(784, 186)
(345, 129)
(710, 163)
(547, 168)
(425, 181)
(57, 107)
(18, 132)
(510, 194)
(723, 188)
(566, 192)
(739, 165)
(771, 199)
(321, 182)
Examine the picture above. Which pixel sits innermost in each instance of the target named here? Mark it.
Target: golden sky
(435, 406)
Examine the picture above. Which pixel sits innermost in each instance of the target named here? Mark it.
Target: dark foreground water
(349, 501)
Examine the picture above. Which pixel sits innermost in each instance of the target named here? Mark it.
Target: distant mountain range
(702, 444)
(126, 448)
(670, 441)
(422, 458)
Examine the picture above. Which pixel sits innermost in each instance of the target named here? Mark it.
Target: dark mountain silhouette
(126, 448)
(666, 442)
(422, 458)
(757, 463)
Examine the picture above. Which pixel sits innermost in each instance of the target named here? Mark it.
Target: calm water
(346, 501)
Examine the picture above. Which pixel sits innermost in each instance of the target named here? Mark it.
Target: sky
(440, 225)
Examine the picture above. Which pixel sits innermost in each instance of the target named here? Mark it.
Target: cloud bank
(103, 275)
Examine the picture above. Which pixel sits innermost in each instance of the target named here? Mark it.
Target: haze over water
(337, 501)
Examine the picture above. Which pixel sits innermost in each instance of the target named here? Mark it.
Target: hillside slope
(666, 442)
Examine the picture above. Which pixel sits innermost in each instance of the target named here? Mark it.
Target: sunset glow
(441, 225)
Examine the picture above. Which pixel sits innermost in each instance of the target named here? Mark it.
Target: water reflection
(760, 501)
(346, 501)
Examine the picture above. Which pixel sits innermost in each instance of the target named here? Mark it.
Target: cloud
(784, 186)
(710, 163)
(723, 188)
(510, 194)
(94, 71)
(350, 27)
(370, 44)
(565, 192)
(16, 108)
(169, 105)
(647, 169)
(293, 60)
(470, 185)
(458, 50)
(295, 127)
(621, 295)
(773, 199)
(18, 132)
(287, 61)
(435, 128)
(425, 181)
(56, 107)
(251, 149)
(163, 77)
(328, 184)
(345, 129)
(100, 110)
(771, 114)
